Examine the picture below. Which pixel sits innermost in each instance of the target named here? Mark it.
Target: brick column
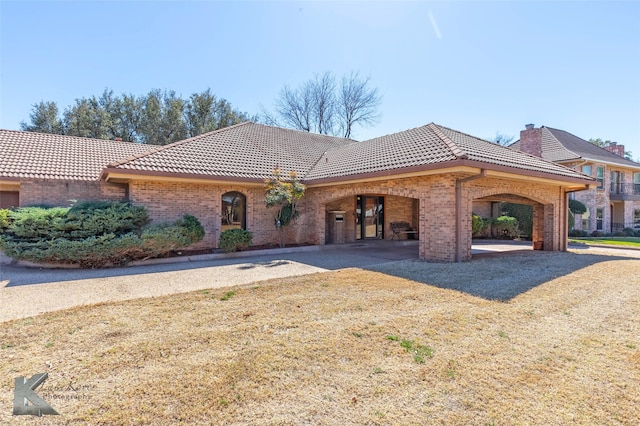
(438, 221)
(551, 227)
(537, 232)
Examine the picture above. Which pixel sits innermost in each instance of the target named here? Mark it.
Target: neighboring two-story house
(615, 203)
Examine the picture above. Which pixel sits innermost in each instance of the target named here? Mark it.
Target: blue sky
(480, 67)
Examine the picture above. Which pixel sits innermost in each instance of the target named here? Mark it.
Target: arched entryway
(530, 215)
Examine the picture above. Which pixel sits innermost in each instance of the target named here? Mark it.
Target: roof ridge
(455, 149)
(303, 132)
(57, 135)
(171, 145)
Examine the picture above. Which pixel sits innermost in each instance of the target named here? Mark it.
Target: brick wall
(65, 193)
(426, 202)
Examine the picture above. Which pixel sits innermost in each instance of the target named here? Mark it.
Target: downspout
(459, 182)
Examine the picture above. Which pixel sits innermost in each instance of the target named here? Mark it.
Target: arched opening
(234, 210)
(511, 218)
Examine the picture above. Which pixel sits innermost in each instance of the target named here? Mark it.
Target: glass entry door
(370, 216)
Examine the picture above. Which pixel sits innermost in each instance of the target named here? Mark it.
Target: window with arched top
(234, 210)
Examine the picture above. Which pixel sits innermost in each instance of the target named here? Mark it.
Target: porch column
(552, 228)
(438, 221)
(537, 231)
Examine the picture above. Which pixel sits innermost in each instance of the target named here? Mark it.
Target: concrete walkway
(26, 292)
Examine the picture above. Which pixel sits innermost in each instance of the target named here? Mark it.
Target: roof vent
(529, 126)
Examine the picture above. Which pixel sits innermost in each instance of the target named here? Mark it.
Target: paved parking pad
(26, 292)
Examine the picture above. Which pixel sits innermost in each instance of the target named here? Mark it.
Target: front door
(370, 217)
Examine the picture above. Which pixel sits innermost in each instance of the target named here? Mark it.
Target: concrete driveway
(26, 292)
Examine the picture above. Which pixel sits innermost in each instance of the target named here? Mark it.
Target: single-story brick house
(429, 177)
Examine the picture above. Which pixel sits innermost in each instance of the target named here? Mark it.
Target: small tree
(283, 194)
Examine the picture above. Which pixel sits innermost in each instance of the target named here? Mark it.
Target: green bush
(235, 239)
(161, 239)
(505, 227)
(478, 225)
(93, 234)
(597, 234)
(577, 207)
(4, 219)
(628, 232)
(523, 213)
(576, 233)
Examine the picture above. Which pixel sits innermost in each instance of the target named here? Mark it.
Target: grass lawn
(614, 241)
(341, 348)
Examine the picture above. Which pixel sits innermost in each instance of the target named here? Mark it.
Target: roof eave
(596, 160)
(448, 167)
(110, 174)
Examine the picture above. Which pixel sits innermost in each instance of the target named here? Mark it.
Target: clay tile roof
(247, 151)
(422, 146)
(558, 145)
(46, 156)
(414, 147)
(488, 152)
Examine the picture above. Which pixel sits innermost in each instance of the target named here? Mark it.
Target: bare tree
(320, 106)
(502, 139)
(357, 103)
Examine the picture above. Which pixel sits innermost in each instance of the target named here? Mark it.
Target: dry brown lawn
(348, 347)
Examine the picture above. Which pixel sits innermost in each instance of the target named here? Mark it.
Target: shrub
(505, 227)
(161, 239)
(628, 232)
(523, 213)
(93, 234)
(577, 233)
(4, 219)
(577, 207)
(235, 239)
(478, 225)
(597, 234)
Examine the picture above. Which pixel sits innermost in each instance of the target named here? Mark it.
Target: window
(636, 219)
(600, 177)
(586, 170)
(614, 182)
(599, 219)
(636, 183)
(586, 216)
(234, 211)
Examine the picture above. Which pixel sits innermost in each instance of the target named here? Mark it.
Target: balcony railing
(625, 191)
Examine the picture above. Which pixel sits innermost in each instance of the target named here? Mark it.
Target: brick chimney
(531, 140)
(118, 139)
(615, 148)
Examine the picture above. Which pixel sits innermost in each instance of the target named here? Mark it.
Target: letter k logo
(24, 393)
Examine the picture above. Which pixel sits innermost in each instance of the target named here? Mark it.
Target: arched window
(234, 208)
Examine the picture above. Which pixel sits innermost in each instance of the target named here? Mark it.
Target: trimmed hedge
(235, 239)
(505, 227)
(93, 235)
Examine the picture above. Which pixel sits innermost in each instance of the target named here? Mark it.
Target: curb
(179, 259)
(611, 246)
